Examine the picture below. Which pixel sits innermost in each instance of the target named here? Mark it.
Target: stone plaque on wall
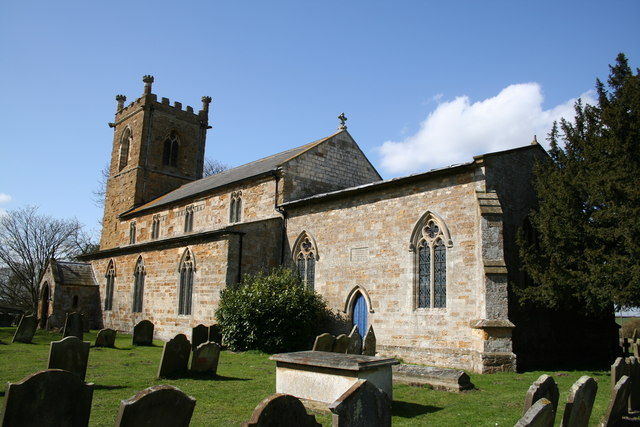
(359, 254)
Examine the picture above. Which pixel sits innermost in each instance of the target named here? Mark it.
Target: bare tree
(27, 241)
(212, 167)
(101, 191)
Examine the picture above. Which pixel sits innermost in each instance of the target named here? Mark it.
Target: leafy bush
(271, 313)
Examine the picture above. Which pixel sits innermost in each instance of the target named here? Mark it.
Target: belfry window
(235, 207)
(186, 284)
(170, 151)
(138, 286)
(125, 143)
(429, 242)
(188, 219)
(155, 227)
(305, 257)
(132, 233)
(108, 292)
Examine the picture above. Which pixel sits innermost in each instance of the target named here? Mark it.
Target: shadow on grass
(203, 376)
(411, 410)
(107, 387)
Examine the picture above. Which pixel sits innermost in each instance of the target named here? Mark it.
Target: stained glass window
(305, 258)
(186, 285)
(431, 258)
(138, 286)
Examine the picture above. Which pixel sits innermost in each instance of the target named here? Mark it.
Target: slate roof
(75, 274)
(250, 170)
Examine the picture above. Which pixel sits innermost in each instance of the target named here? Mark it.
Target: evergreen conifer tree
(585, 253)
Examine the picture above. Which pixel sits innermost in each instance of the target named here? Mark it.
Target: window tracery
(125, 144)
(138, 286)
(235, 207)
(170, 151)
(305, 257)
(108, 293)
(185, 293)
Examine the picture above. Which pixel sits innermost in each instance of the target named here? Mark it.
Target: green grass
(244, 379)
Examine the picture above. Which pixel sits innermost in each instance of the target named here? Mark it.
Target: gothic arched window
(155, 227)
(235, 207)
(188, 219)
(305, 255)
(429, 243)
(108, 292)
(170, 151)
(138, 286)
(185, 293)
(125, 143)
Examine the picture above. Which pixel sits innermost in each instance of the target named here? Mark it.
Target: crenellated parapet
(150, 100)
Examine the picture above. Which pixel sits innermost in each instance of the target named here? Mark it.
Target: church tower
(157, 147)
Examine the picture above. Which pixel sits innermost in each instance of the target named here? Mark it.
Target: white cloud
(5, 198)
(457, 130)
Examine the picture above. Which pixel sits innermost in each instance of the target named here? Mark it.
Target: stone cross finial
(206, 100)
(343, 119)
(120, 99)
(147, 84)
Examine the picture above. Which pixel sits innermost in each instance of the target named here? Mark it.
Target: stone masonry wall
(363, 240)
(334, 164)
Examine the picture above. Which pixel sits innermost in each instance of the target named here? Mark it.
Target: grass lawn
(244, 379)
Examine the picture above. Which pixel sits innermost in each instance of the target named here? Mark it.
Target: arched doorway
(44, 305)
(360, 312)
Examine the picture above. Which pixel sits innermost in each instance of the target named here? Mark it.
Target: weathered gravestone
(355, 341)
(49, 398)
(577, 410)
(73, 325)
(626, 345)
(437, 378)
(341, 344)
(161, 405)
(635, 336)
(199, 334)
(324, 342)
(205, 358)
(636, 349)
(215, 334)
(540, 414)
(281, 410)
(618, 403)
(70, 354)
(363, 405)
(143, 333)
(546, 387)
(106, 338)
(26, 329)
(175, 357)
(369, 343)
(630, 367)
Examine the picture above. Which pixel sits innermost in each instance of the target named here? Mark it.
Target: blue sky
(424, 84)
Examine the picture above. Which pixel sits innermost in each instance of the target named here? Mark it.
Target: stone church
(425, 259)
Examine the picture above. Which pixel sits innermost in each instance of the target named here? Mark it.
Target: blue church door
(360, 314)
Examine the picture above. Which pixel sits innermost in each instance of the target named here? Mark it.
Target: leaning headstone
(369, 343)
(281, 410)
(618, 403)
(160, 405)
(636, 349)
(355, 341)
(540, 414)
(634, 374)
(73, 326)
(143, 333)
(26, 329)
(626, 345)
(199, 334)
(618, 369)
(363, 405)
(546, 387)
(341, 344)
(324, 342)
(106, 338)
(215, 334)
(577, 410)
(70, 354)
(205, 358)
(47, 398)
(175, 357)
(635, 336)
